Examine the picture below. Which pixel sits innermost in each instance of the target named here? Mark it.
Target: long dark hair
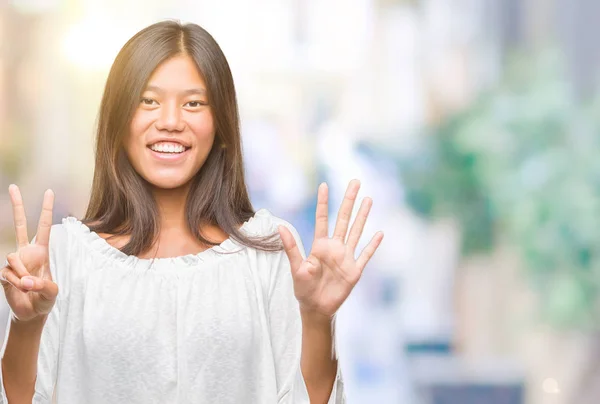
(121, 202)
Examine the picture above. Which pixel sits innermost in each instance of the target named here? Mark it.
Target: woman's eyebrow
(191, 91)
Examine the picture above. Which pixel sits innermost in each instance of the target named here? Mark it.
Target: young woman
(172, 289)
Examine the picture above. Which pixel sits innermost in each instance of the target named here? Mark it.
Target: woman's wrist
(33, 323)
(315, 319)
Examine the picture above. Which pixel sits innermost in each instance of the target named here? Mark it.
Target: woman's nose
(170, 118)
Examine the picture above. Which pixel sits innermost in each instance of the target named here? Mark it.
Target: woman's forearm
(319, 365)
(19, 363)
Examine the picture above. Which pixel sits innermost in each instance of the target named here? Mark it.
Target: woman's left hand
(324, 280)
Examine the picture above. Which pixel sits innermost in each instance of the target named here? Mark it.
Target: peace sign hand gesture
(325, 279)
(26, 277)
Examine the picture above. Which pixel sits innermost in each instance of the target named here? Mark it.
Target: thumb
(47, 289)
(291, 248)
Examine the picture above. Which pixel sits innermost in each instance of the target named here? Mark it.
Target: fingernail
(27, 283)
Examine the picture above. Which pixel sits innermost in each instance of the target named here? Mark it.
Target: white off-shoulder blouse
(221, 326)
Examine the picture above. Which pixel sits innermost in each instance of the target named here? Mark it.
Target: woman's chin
(168, 183)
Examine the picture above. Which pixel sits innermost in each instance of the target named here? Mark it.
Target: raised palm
(325, 279)
(26, 277)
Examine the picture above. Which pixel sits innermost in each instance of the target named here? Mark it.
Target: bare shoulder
(114, 240)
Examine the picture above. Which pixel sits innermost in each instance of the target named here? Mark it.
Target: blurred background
(473, 124)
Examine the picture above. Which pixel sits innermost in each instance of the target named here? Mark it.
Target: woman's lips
(169, 157)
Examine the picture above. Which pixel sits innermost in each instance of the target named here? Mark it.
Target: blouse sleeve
(50, 340)
(286, 333)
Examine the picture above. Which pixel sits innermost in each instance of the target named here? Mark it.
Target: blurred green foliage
(522, 165)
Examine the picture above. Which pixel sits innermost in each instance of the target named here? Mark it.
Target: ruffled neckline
(256, 225)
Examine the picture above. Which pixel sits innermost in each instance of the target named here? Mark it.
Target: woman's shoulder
(265, 223)
(66, 224)
(59, 232)
(66, 232)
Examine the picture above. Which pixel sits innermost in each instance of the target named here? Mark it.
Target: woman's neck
(175, 238)
(171, 208)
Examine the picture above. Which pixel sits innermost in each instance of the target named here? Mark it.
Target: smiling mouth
(168, 148)
(169, 151)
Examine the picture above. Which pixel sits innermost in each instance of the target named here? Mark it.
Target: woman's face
(172, 130)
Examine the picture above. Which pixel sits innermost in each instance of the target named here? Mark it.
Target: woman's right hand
(26, 277)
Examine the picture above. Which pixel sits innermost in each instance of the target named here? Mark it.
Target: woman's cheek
(203, 126)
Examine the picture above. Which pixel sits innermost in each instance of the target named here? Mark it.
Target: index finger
(45, 224)
(19, 217)
(290, 247)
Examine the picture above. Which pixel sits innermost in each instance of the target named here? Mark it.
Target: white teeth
(167, 147)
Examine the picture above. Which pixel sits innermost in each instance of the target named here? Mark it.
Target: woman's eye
(194, 104)
(148, 101)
